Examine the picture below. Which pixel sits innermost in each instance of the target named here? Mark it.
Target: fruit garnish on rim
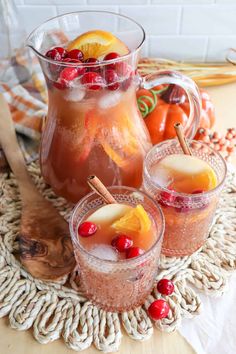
(135, 220)
(97, 43)
(184, 173)
(116, 231)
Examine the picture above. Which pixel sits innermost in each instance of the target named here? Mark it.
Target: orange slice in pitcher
(135, 220)
(114, 156)
(97, 43)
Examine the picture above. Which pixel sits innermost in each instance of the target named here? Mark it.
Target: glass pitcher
(97, 128)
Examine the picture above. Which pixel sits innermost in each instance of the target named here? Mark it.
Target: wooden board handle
(13, 153)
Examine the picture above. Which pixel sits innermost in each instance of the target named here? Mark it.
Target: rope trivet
(55, 310)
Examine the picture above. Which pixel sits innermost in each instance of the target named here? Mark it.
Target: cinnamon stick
(97, 186)
(182, 140)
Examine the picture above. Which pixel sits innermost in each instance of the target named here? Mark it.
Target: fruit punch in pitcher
(93, 123)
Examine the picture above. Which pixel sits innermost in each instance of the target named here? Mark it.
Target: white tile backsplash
(155, 20)
(218, 47)
(35, 15)
(185, 2)
(178, 48)
(194, 30)
(208, 20)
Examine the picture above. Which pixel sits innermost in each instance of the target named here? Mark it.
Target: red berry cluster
(224, 143)
(89, 72)
(122, 243)
(183, 203)
(159, 308)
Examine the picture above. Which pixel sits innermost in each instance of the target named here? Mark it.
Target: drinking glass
(188, 217)
(124, 284)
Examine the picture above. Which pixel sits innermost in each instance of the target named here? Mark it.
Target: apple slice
(109, 213)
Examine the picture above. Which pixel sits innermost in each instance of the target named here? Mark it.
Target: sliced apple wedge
(109, 213)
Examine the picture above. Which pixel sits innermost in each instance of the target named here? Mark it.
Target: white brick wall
(177, 29)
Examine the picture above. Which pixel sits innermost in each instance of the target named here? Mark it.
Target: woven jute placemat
(55, 310)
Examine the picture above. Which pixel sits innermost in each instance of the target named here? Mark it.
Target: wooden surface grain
(15, 342)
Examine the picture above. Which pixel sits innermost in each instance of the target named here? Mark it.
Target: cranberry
(111, 78)
(166, 197)
(67, 60)
(93, 80)
(126, 83)
(134, 252)
(158, 309)
(61, 51)
(59, 85)
(203, 203)
(128, 80)
(91, 62)
(68, 74)
(111, 56)
(87, 228)
(184, 207)
(123, 69)
(53, 54)
(75, 54)
(198, 191)
(122, 243)
(165, 286)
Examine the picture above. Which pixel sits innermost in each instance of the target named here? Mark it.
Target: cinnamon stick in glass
(97, 186)
(182, 140)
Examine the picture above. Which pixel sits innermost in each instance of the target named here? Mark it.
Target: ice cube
(104, 252)
(75, 94)
(161, 176)
(109, 99)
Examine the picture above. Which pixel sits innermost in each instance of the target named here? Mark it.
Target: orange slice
(135, 220)
(114, 156)
(97, 43)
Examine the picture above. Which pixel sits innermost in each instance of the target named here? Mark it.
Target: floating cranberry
(75, 54)
(68, 74)
(158, 309)
(123, 69)
(87, 229)
(67, 60)
(53, 54)
(111, 56)
(61, 51)
(184, 204)
(198, 191)
(166, 198)
(134, 252)
(202, 202)
(165, 286)
(94, 63)
(122, 243)
(112, 78)
(128, 79)
(93, 80)
(59, 85)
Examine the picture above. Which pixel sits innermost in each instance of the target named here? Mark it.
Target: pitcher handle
(189, 86)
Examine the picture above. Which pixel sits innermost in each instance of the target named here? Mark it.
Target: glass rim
(121, 262)
(174, 193)
(102, 62)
